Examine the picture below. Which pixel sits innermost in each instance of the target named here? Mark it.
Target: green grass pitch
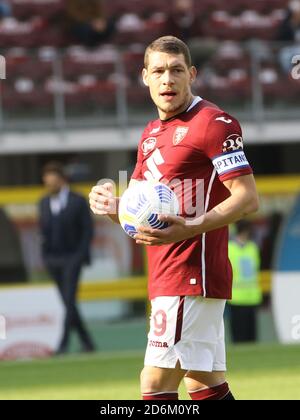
(254, 372)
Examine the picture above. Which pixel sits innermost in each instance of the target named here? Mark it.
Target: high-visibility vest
(245, 261)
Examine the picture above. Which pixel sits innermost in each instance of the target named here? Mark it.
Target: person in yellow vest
(244, 255)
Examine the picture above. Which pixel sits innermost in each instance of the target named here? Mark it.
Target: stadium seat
(230, 55)
(145, 20)
(25, 9)
(142, 8)
(138, 96)
(83, 93)
(15, 33)
(25, 95)
(249, 24)
(91, 74)
(133, 63)
(16, 58)
(101, 62)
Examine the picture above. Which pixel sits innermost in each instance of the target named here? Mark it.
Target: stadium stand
(43, 61)
(36, 22)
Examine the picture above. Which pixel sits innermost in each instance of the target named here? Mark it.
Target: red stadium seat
(138, 96)
(25, 9)
(101, 62)
(117, 7)
(133, 62)
(90, 75)
(25, 95)
(99, 94)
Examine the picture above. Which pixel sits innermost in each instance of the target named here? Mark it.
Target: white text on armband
(230, 162)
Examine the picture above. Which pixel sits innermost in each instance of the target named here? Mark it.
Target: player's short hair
(54, 168)
(170, 45)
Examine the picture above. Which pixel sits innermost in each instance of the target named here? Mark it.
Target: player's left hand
(177, 231)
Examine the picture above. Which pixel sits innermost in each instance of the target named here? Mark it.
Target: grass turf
(254, 372)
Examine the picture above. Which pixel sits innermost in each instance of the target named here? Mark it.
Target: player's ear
(193, 74)
(145, 77)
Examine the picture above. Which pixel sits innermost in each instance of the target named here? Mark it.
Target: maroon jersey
(205, 144)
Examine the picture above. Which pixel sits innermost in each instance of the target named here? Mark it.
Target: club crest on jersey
(233, 143)
(149, 145)
(180, 135)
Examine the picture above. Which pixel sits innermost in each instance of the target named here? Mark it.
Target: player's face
(53, 183)
(169, 80)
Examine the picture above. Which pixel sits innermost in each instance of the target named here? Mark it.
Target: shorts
(188, 329)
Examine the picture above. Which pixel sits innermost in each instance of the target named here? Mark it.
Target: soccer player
(190, 276)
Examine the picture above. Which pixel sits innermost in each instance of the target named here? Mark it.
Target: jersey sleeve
(137, 173)
(225, 147)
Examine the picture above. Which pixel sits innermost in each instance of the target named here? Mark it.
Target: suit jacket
(75, 229)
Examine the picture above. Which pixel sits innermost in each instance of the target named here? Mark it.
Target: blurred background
(73, 93)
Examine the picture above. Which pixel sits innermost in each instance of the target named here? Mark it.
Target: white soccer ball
(142, 203)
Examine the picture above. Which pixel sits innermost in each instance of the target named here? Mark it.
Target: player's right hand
(102, 200)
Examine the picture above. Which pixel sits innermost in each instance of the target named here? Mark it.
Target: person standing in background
(289, 31)
(182, 20)
(246, 294)
(67, 231)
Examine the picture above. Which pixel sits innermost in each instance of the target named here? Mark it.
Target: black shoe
(61, 350)
(88, 348)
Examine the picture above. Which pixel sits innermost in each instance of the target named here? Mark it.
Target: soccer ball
(142, 203)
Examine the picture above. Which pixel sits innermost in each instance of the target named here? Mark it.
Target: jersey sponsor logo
(230, 162)
(180, 135)
(155, 130)
(233, 142)
(225, 120)
(149, 145)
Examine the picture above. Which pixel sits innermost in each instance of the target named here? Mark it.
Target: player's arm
(224, 146)
(103, 201)
(242, 202)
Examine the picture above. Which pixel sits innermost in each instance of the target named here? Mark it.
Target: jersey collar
(195, 102)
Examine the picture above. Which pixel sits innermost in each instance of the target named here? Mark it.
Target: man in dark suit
(67, 231)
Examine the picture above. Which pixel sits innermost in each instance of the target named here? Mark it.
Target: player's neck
(164, 116)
